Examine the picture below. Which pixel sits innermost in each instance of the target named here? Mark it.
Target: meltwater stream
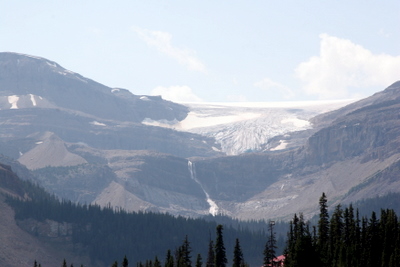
(213, 206)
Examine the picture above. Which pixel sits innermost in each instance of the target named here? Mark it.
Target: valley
(90, 143)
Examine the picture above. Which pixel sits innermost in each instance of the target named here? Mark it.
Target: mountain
(353, 158)
(38, 96)
(246, 127)
(28, 81)
(20, 248)
(37, 226)
(90, 143)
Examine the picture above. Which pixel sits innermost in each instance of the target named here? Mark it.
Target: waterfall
(213, 206)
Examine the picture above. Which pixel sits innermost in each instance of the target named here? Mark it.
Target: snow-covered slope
(241, 127)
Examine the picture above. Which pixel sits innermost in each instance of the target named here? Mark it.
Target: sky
(223, 51)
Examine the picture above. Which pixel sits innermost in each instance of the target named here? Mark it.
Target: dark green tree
(210, 255)
(125, 262)
(115, 264)
(270, 246)
(336, 232)
(199, 261)
(182, 254)
(237, 255)
(156, 263)
(220, 254)
(323, 231)
(169, 260)
(374, 242)
(300, 250)
(186, 250)
(64, 263)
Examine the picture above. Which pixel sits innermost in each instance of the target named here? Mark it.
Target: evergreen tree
(210, 255)
(270, 246)
(64, 263)
(220, 254)
(157, 263)
(374, 242)
(389, 230)
(300, 250)
(115, 264)
(323, 231)
(186, 250)
(199, 261)
(35, 264)
(125, 262)
(335, 240)
(169, 260)
(237, 255)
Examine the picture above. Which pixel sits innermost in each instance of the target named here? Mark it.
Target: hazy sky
(215, 50)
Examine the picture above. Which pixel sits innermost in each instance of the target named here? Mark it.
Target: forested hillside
(107, 234)
(344, 239)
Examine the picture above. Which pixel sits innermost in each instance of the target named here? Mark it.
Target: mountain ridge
(147, 167)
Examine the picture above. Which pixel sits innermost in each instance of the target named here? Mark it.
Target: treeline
(182, 256)
(344, 239)
(106, 234)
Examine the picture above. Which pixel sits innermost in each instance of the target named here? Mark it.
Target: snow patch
(38, 143)
(29, 56)
(199, 120)
(97, 123)
(296, 122)
(52, 64)
(282, 145)
(13, 100)
(115, 90)
(145, 98)
(161, 123)
(33, 100)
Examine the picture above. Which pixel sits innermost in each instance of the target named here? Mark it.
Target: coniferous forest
(344, 239)
(107, 234)
(341, 237)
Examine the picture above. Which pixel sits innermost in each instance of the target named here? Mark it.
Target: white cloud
(342, 67)
(162, 41)
(176, 93)
(269, 85)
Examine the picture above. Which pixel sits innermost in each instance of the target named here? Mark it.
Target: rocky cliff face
(369, 128)
(338, 159)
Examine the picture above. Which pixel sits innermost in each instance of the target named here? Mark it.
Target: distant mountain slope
(70, 130)
(338, 158)
(19, 248)
(28, 81)
(250, 127)
(38, 96)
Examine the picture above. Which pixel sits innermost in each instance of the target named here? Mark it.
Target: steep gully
(213, 206)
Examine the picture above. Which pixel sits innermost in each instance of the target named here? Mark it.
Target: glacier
(246, 126)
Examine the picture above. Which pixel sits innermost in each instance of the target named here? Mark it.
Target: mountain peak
(26, 77)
